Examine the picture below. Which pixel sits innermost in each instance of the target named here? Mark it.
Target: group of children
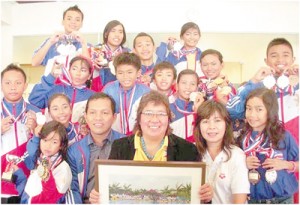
(90, 96)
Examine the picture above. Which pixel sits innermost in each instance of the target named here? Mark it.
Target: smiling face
(126, 75)
(164, 79)
(211, 66)
(100, 117)
(154, 121)
(13, 86)
(256, 114)
(72, 21)
(191, 38)
(144, 48)
(60, 110)
(115, 36)
(280, 57)
(213, 129)
(187, 84)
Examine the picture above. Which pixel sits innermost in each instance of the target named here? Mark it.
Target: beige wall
(248, 50)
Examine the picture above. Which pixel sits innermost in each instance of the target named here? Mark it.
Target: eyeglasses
(159, 115)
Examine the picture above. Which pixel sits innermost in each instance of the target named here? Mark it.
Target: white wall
(256, 16)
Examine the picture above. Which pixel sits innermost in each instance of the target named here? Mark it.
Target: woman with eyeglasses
(153, 140)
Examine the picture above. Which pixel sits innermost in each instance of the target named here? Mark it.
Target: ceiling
(26, 2)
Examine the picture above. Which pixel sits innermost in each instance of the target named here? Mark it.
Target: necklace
(150, 157)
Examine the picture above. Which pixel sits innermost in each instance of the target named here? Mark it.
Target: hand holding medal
(31, 120)
(173, 44)
(198, 98)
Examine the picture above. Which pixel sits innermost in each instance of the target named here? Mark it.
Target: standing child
(282, 75)
(213, 83)
(74, 87)
(184, 108)
(226, 163)
(63, 46)
(272, 153)
(144, 48)
(184, 56)
(52, 177)
(126, 91)
(114, 37)
(18, 120)
(164, 79)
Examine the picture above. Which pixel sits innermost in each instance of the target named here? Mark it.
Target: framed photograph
(133, 182)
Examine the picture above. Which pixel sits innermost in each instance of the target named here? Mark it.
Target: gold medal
(271, 176)
(253, 176)
(226, 90)
(42, 170)
(218, 81)
(294, 80)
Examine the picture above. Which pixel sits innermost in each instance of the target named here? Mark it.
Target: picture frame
(133, 182)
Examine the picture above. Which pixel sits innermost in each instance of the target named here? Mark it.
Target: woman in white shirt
(226, 163)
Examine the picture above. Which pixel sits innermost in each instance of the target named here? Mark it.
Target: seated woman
(153, 140)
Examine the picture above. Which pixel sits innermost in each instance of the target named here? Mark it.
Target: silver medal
(269, 81)
(271, 176)
(283, 81)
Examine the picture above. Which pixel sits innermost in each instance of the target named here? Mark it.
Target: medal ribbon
(20, 116)
(185, 113)
(55, 159)
(257, 146)
(195, 62)
(182, 52)
(73, 129)
(250, 148)
(110, 54)
(125, 110)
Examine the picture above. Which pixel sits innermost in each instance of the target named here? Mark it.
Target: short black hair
(101, 95)
(73, 8)
(13, 67)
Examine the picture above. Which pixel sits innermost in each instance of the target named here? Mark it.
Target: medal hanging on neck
(250, 149)
(253, 176)
(43, 170)
(271, 176)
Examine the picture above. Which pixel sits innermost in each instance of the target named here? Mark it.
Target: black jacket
(178, 149)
